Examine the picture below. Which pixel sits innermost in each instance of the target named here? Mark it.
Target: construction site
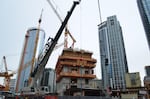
(73, 74)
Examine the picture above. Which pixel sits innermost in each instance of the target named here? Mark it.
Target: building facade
(144, 9)
(49, 79)
(147, 81)
(112, 54)
(97, 83)
(147, 86)
(147, 71)
(33, 46)
(74, 72)
(133, 80)
(12, 85)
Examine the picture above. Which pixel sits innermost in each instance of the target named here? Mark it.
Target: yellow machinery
(6, 76)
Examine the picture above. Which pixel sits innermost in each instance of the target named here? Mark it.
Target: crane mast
(4, 58)
(36, 43)
(6, 75)
(43, 59)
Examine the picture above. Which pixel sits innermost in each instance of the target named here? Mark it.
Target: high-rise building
(147, 70)
(112, 54)
(144, 9)
(33, 46)
(49, 79)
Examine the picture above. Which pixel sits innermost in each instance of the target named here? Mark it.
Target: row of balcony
(77, 58)
(75, 74)
(59, 68)
(78, 64)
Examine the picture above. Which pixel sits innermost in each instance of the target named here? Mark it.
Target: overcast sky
(16, 16)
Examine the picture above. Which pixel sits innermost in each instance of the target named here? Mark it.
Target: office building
(112, 54)
(33, 46)
(12, 85)
(49, 79)
(147, 70)
(144, 9)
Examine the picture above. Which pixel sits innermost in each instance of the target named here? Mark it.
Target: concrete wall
(133, 79)
(129, 96)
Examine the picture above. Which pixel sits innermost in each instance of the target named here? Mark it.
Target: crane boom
(66, 30)
(36, 44)
(47, 52)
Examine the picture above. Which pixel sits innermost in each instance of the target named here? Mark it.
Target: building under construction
(75, 74)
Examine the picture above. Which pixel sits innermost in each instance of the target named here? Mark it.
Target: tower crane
(67, 32)
(6, 75)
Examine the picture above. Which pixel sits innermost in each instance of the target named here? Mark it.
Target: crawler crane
(44, 57)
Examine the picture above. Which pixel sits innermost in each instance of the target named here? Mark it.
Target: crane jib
(41, 64)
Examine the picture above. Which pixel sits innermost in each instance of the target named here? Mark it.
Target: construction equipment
(6, 76)
(66, 28)
(44, 57)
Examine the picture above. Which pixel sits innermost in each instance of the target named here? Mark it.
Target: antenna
(40, 19)
(99, 11)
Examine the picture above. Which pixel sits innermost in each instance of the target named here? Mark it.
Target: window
(86, 72)
(73, 80)
(46, 80)
(112, 22)
(133, 79)
(86, 81)
(92, 71)
(106, 61)
(74, 69)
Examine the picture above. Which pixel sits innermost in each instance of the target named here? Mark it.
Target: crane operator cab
(47, 45)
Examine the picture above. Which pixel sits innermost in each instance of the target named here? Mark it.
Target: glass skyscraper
(144, 9)
(33, 47)
(147, 70)
(112, 53)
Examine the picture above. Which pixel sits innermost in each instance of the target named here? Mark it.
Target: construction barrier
(82, 97)
(51, 97)
(34, 97)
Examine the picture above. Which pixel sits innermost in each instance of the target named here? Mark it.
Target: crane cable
(80, 15)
